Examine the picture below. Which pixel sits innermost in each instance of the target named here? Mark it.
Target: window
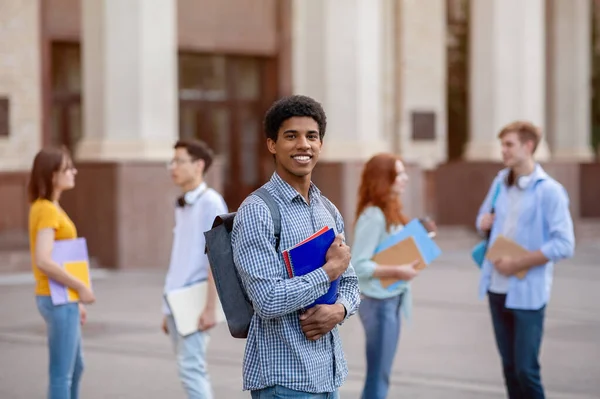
(221, 101)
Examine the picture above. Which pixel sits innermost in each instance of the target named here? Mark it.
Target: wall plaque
(423, 125)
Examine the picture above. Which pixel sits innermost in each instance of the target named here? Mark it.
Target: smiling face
(297, 148)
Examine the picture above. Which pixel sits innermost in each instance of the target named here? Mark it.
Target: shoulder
(501, 176)
(552, 189)
(43, 207)
(372, 214)
(252, 209)
(330, 205)
(214, 197)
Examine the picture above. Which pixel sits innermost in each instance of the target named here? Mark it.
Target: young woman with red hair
(378, 215)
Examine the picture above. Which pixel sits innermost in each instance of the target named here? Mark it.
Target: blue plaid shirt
(277, 352)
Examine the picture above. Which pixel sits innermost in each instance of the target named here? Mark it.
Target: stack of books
(308, 256)
(72, 256)
(411, 243)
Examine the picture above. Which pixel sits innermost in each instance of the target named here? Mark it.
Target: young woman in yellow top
(53, 173)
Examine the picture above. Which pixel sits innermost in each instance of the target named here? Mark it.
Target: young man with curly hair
(290, 353)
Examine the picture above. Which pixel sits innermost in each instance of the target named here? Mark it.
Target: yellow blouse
(43, 214)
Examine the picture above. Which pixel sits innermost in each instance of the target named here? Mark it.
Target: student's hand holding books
(320, 319)
(407, 272)
(506, 266)
(208, 319)
(338, 258)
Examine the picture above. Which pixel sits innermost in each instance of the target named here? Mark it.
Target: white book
(187, 304)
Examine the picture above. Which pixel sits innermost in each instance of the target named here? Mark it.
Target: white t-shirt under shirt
(499, 283)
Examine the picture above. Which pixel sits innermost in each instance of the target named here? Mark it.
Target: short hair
(197, 149)
(41, 179)
(289, 107)
(526, 131)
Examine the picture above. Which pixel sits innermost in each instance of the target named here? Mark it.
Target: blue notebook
(428, 248)
(308, 256)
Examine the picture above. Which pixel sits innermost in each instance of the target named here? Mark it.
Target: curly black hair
(288, 107)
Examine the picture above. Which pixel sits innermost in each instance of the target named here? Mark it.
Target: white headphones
(522, 182)
(189, 198)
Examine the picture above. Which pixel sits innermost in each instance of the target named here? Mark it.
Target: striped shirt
(277, 352)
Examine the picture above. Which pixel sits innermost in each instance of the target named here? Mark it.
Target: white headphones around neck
(522, 182)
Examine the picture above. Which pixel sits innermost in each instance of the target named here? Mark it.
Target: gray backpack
(237, 306)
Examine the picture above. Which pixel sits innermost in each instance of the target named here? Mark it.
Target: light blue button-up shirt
(544, 223)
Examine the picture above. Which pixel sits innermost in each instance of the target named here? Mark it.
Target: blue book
(428, 248)
(308, 256)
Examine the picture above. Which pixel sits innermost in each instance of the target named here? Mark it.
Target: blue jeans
(279, 392)
(381, 321)
(518, 338)
(64, 347)
(191, 361)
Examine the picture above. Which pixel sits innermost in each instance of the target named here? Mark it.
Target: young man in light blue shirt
(195, 211)
(532, 209)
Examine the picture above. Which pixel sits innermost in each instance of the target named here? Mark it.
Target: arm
(208, 317)
(557, 218)
(561, 243)
(43, 259)
(367, 233)
(349, 294)
(262, 270)
(486, 206)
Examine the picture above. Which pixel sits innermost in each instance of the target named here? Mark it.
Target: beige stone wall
(20, 81)
(422, 78)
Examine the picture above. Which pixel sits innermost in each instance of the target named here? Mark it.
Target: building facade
(432, 80)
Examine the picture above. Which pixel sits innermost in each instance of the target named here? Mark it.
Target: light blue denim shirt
(369, 232)
(544, 224)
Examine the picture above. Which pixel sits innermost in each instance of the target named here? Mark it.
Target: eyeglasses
(179, 161)
(70, 168)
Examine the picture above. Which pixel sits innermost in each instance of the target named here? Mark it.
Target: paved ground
(448, 352)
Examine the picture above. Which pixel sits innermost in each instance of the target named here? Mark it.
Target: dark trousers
(518, 337)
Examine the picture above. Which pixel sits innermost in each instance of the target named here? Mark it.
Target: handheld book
(71, 255)
(309, 255)
(187, 304)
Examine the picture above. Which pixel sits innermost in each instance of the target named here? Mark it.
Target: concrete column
(421, 55)
(569, 74)
(130, 79)
(507, 72)
(338, 60)
(20, 82)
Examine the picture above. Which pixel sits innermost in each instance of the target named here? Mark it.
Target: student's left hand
(208, 319)
(506, 266)
(82, 314)
(320, 319)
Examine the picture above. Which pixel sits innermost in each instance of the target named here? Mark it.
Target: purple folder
(65, 251)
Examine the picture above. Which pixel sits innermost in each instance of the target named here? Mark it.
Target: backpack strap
(329, 205)
(266, 196)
